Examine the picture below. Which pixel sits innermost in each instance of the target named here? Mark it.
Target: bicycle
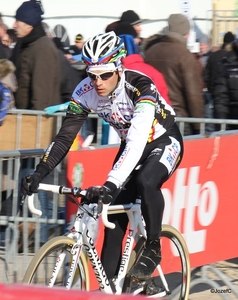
(63, 260)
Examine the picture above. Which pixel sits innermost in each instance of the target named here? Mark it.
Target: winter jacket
(37, 71)
(225, 91)
(172, 58)
(211, 68)
(136, 62)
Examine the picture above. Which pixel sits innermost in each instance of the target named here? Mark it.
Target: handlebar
(77, 192)
(105, 221)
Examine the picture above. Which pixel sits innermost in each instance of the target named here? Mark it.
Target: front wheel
(55, 258)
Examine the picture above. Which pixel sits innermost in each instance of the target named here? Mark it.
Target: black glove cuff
(110, 187)
(42, 170)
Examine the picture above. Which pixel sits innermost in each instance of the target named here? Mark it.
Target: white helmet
(103, 48)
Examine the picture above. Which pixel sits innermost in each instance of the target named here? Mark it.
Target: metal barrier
(19, 231)
(29, 129)
(221, 123)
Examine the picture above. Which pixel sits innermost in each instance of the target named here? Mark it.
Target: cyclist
(129, 101)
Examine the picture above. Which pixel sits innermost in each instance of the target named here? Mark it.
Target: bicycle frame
(81, 235)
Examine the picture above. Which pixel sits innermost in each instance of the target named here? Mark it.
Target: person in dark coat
(209, 73)
(180, 69)
(225, 88)
(36, 60)
(214, 58)
(38, 74)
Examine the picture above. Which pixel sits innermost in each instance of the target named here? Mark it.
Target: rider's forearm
(61, 144)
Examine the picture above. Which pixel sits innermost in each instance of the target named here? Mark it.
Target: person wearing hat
(38, 75)
(178, 65)
(134, 20)
(215, 57)
(73, 53)
(76, 49)
(36, 60)
(225, 84)
(132, 17)
(79, 39)
(210, 73)
(205, 49)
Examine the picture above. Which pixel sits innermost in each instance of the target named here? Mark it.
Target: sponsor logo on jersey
(156, 151)
(153, 88)
(84, 89)
(173, 152)
(132, 88)
(117, 119)
(47, 153)
(118, 164)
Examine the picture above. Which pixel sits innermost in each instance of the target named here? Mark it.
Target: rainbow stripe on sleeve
(77, 107)
(148, 99)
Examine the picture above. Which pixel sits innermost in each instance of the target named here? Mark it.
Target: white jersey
(135, 110)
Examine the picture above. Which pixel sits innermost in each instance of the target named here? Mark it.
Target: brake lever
(23, 197)
(100, 205)
(22, 201)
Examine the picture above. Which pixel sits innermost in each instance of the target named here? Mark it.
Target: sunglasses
(103, 76)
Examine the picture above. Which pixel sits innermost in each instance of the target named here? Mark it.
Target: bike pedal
(152, 290)
(136, 287)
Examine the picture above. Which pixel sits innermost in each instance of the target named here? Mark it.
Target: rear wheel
(47, 260)
(174, 267)
(175, 264)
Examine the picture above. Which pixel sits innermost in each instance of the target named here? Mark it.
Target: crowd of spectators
(41, 85)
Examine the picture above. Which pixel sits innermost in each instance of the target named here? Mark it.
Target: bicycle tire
(178, 280)
(182, 291)
(42, 264)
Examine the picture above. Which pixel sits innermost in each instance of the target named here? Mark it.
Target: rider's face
(104, 82)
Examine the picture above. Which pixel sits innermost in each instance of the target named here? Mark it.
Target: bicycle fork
(62, 259)
(70, 267)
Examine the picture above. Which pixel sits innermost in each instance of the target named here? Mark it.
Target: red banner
(201, 196)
